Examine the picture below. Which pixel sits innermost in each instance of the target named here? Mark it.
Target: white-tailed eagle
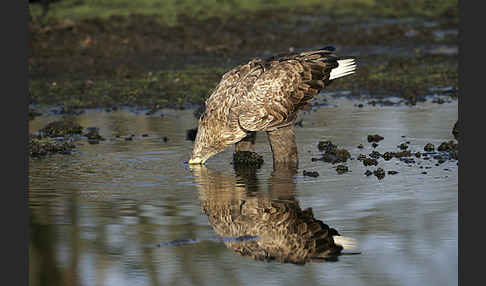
(265, 95)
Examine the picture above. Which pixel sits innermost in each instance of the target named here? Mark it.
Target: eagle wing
(283, 84)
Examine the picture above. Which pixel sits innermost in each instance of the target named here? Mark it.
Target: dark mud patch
(341, 169)
(332, 153)
(314, 174)
(446, 151)
(61, 128)
(93, 135)
(58, 137)
(429, 147)
(375, 155)
(447, 146)
(370, 162)
(326, 146)
(375, 138)
(379, 173)
(334, 156)
(39, 147)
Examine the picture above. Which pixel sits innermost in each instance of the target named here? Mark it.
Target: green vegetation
(172, 88)
(170, 10)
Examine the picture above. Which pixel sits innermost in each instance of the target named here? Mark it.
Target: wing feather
(287, 85)
(263, 95)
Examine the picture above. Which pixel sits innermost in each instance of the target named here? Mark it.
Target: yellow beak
(195, 161)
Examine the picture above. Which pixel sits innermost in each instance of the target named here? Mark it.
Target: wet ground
(129, 211)
(137, 61)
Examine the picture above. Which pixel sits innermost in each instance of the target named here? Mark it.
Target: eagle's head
(209, 140)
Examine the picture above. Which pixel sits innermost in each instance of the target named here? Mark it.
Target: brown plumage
(265, 95)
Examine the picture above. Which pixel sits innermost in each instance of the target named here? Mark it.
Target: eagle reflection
(236, 207)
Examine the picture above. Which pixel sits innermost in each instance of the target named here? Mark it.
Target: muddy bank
(42, 146)
(138, 61)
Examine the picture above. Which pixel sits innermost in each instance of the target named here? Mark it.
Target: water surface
(106, 214)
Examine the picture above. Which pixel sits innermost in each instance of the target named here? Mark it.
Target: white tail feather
(345, 67)
(349, 244)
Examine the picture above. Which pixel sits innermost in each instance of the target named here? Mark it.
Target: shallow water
(106, 214)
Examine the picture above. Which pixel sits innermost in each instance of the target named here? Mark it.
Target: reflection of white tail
(349, 244)
(345, 67)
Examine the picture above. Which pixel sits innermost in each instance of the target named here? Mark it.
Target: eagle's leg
(247, 143)
(284, 147)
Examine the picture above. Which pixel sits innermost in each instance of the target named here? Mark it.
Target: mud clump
(375, 138)
(336, 156)
(61, 128)
(341, 169)
(247, 158)
(429, 147)
(39, 147)
(332, 153)
(93, 135)
(449, 150)
(311, 173)
(403, 146)
(447, 146)
(191, 134)
(375, 155)
(402, 154)
(326, 146)
(370, 162)
(379, 173)
(368, 173)
(361, 157)
(388, 156)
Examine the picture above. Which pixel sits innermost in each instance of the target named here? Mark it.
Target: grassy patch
(406, 77)
(170, 88)
(169, 10)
